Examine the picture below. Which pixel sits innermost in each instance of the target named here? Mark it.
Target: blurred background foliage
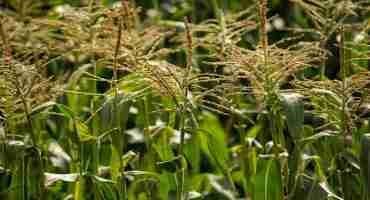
(284, 14)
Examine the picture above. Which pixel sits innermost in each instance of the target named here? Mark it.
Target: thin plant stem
(180, 185)
(344, 77)
(90, 5)
(323, 67)
(95, 153)
(182, 110)
(216, 9)
(122, 182)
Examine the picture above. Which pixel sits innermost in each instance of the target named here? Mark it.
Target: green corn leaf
(330, 194)
(294, 112)
(58, 157)
(42, 107)
(84, 188)
(66, 111)
(104, 188)
(161, 143)
(222, 191)
(17, 166)
(172, 165)
(365, 164)
(253, 132)
(316, 137)
(192, 152)
(214, 141)
(5, 181)
(51, 178)
(35, 173)
(268, 183)
(88, 148)
(84, 132)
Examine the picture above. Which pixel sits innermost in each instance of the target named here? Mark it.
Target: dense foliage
(184, 99)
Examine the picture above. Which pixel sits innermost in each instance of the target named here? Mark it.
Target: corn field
(184, 100)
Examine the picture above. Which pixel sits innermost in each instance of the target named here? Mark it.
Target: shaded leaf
(365, 164)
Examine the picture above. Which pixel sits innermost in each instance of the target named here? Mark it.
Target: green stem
(122, 182)
(90, 5)
(24, 178)
(216, 8)
(156, 5)
(146, 116)
(344, 72)
(181, 174)
(182, 108)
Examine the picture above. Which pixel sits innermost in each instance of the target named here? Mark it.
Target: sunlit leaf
(214, 141)
(52, 178)
(84, 132)
(294, 111)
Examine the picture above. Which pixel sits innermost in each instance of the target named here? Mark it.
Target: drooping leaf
(224, 192)
(51, 178)
(330, 194)
(41, 107)
(172, 165)
(317, 137)
(58, 156)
